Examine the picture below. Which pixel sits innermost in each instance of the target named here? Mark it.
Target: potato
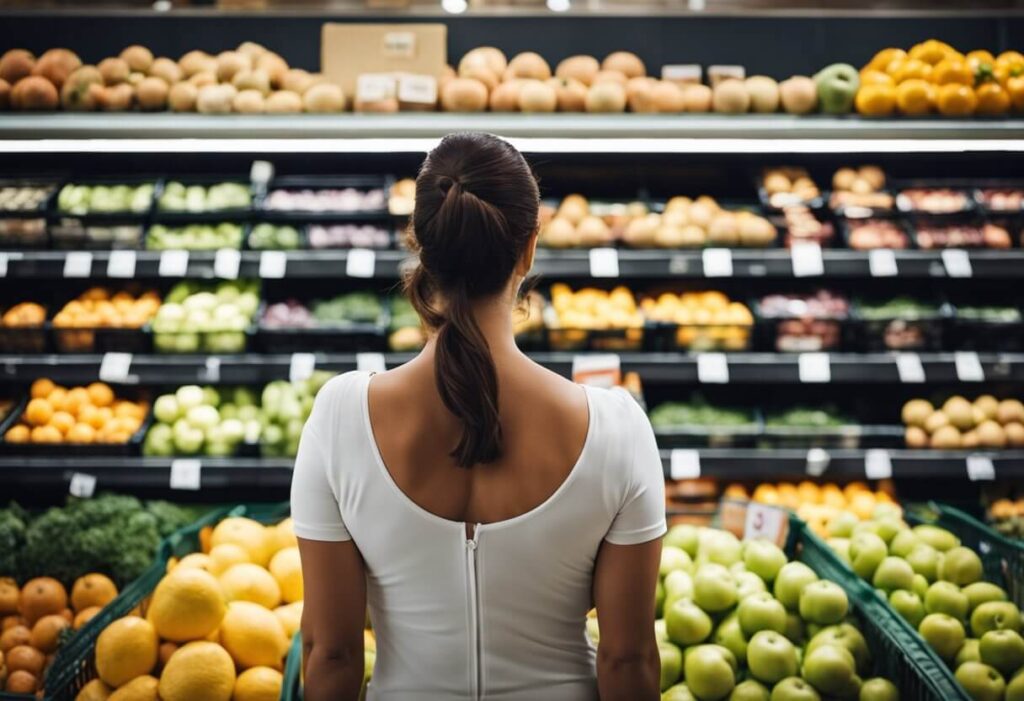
(34, 93)
(138, 58)
(15, 65)
(283, 102)
(182, 97)
(166, 69)
(56, 65)
(324, 98)
(114, 70)
(249, 101)
(152, 94)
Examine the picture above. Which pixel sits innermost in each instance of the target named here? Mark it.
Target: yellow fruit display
(126, 649)
(707, 320)
(138, 689)
(249, 582)
(249, 534)
(287, 570)
(81, 415)
(258, 684)
(253, 636)
(290, 617)
(876, 99)
(985, 423)
(223, 556)
(284, 535)
(198, 670)
(188, 604)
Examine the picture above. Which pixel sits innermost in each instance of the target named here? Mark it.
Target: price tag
(114, 367)
(685, 464)
(968, 367)
(767, 522)
(717, 262)
(909, 367)
(882, 262)
(877, 465)
(817, 462)
(814, 367)
(121, 264)
(302, 367)
(980, 468)
(418, 89)
(213, 370)
(82, 485)
(361, 262)
(957, 262)
(261, 173)
(374, 87)
(3, 264)
(713, 368)
(604, 262)
(370, 362)
(173, 264)
(599, 370)
(226, 263)
(186, 474)
(78, 264)
(807, 259)
(273, 264)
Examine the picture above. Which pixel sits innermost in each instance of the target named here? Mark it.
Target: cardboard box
(350, 50)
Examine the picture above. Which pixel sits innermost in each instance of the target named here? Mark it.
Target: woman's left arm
(333, 616)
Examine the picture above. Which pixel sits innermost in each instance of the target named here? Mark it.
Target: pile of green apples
(198, 316)
(938, 586)
(198, 420)
(286, 406)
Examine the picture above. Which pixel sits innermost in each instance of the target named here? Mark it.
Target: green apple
(761, 611)
(837, 87)
(685, 537)
(660, 630)
(878, 689)
(867, 550)
(748, 583)
(867, 527)
(893, 573)
(189, 397)
(841, 547)
(961, 566)
(946, 597)
(794, 689)
(750, 690)
(159, 441)
(763, 558)
(709, 674)
(678, 585)
(924, 560)
(1015, 689)
(714, 588)
(981, 682)
(679, 692)
(686, 623)
(794, 628)
(889, 526)
(671, 664)
(885, 508)
(983, 592)
(720, 547)
(920, 585)
(848, 636)
(829, 668)
(969, 652)
(790, 582)
(903, 543)
(909, 605)
(771, 657)
(823, 602)
(944, 633)
(166, 409)
(939, 538)
(673, 559)
(842, 524)
(729, 635)
(995, 615)
(1002, 649)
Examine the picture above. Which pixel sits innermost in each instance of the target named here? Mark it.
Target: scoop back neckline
(492, 525)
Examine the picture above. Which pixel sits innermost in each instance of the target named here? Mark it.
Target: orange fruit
(957, 100)
(15, 636)
(42, 596)
(21, 682)
(38, 412)
(46, 632)
(84, 616)
(46, 434)
(81, 433)
(876, 77)
(25, 658)
(766, 494)
(809, 492)
(130, 410)
(41, 388)
(914, 96)
(100, 394)
(57, 397)
(992, 99)
(876, 100)
(93, 589)
(76, 399)
(11, 622)
(18, 434)
(9, 594)
(62, 421)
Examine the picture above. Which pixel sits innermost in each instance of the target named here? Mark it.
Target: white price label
(361, 262)
(713, 368)
(173, 264)
(877, 465)
(374, 87)
(226, 263)
(370, 362)
(273, 264)
(114, 367)
(762, 521)
(419, 89)
(968, 367)
(213, 370)
(186, 473)
(817, 462)
(882, 262)
(604, 262)
(121, 264)
(78, 264)
(980, 468)
(684, 464)
(957, 262)
(599, 370)
(261, 173)
(302, 367)
(82, 485)
(3, 264)
(909, 367)
(807, 259)
(814, 367)
(717, 262)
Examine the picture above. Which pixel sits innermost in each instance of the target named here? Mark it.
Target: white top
(501, 616)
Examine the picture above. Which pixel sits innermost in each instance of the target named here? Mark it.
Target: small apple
(794, 628)
(714, 588)
(909, 605)
(720, 547)
(762, 611)
(673, 559)
(729, 635)
(823, 602)
(748, 583)
(847, 636)
(709, 674)
(794, 689)
(1002, 649)
(944, 633)
(867, 550)
(1015, 689)
(841, 547)
(771, 657)
(969, 652)
(879, 689)
(684, 536)
(889, 526)
(678, 585)
(763, 558)
(837, 86)
(995, 615)
(829, 668)
(946, 597)
(981, 682)
(903, 543)
(939, 538)
(166, 409)
(750, 690)
(671, 664)
(893, 573)
(189, 396)
(679, 692)
(924, 560)
(790, 583)
(920, 585)
(686, 623)
(982, 592)
(961, 566)
(842, 524)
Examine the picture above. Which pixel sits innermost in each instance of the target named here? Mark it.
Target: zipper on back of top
(472, 587)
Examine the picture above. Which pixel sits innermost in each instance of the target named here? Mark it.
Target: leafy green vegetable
(803, 417)
(354, 307)
(12, 538)
(901, 307)
(697, 413)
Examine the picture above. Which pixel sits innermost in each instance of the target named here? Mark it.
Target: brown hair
(476, 209)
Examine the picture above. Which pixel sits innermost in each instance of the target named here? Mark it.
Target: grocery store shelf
(746, 263)
(659, 368)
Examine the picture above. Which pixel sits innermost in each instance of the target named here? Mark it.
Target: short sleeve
(314, 499)
(641, 518)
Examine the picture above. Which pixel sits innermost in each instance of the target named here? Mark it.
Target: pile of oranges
(100, 308)
(80, 415)
(24, 315)
(933, 76)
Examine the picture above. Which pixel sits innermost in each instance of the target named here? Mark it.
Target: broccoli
(12, 539)
(170, 517)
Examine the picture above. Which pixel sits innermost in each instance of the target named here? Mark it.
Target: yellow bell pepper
(913, 97)
(912, 68)
(931, 51)
(992, 99)
(883, 58)
(876, 100)
(956, 100)
(979, 56)
(1015, 89)
(952, 70)
(874, 77)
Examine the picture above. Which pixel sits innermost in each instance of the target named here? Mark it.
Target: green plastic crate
(291, 689)
(74, 666)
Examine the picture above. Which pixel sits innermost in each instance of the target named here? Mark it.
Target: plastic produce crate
(85, 339)
(291, 688)
(74, 665)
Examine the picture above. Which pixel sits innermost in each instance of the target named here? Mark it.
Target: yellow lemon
(258, 684)
(290, 617)
(196, 560)
(225, 555)
(138, 689)
(287, 570)
(198, 670)
(251, 535)
(126, 649)
(249, 582)
(253, 636)
(95, 690)
(284, 535)
(187, 604)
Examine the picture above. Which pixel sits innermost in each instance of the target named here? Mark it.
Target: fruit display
(801, 225)
(789, 185)
(901, 323)
(703, 320)
(1000, 199)
(589, 315)
(197, 199)
(932, 200)
(15, 197)
(934, 234)
(405, 331)
(697, 413)
(1007, 517)
(869, 234)
(861, 188)
(76, 416)
(78, 200)
(194, 237)
(343, 310)
(18, 203)
(987, 327)
(805, 322)
(203, 421)
(266, 236)
(347, 200)
(348, 236)
(985, 423)
(198, 316)
(286, 406)
(402, 197)
(21, 328)
(79, 322)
